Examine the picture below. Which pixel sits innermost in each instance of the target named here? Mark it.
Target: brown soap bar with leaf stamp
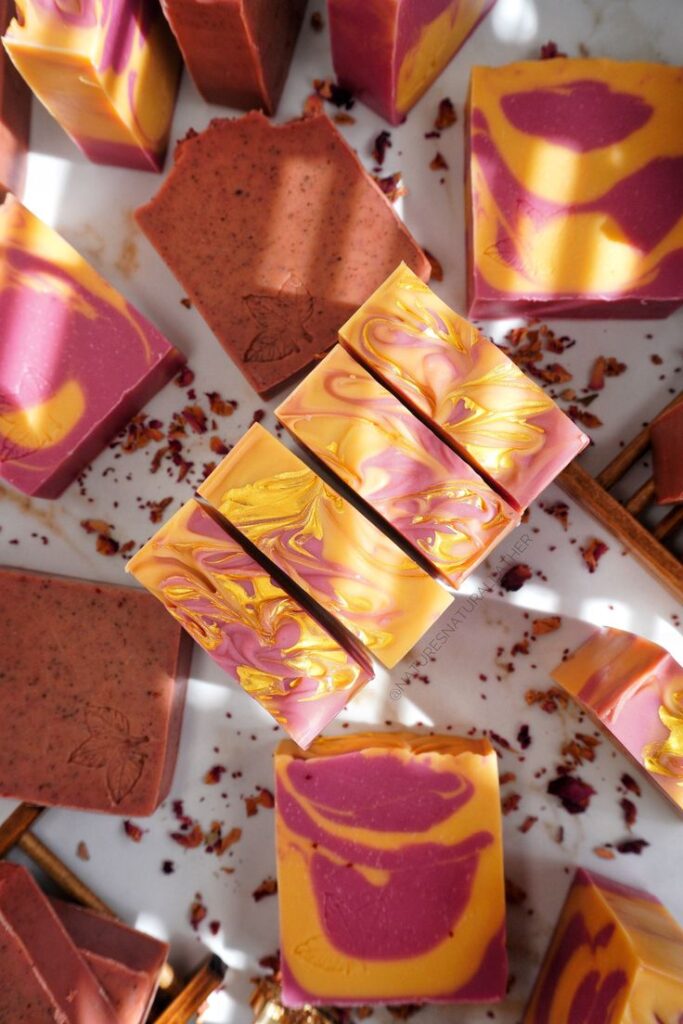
(92, 689)
(277, 234)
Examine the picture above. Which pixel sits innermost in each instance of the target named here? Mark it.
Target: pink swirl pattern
(386, 842)
(376, 446)
(466, 389)
(256, 632)
(615, 958)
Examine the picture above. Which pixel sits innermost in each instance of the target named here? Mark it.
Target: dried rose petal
(629, 810)
(214, 775)
(438, 163)
(524, 737)
(547, 625)
(268, 887)
(198, 912)
(380, 146)
(573, 792)
(189, 840)
(133, 831)
(550, 700)
(586, 419)
(446, 115)
(391, 186)
(264, 798)
(220, 406)
(515, 577)
(514, 893)
(335, 94)
(510, 803)
(185, 377)
(632, 846)
(317, 23)
(106, 545)
(97, 526)
(593, 552)
(629, 783)
(549, 51)
(560, 511)
(82, 851)
(224, 843)
(527, 824)
(604, 852)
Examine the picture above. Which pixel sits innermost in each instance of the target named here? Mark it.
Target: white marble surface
(92, 207)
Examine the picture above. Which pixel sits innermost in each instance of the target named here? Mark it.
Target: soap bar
(616, 958)
(108, 73)
(634, 689)
(376, 446)
(76, 360)
(575, 189)
(126, 962)
(390, 871)
(339, 558)
(286, 659)
(15, 115)
(238, 52)
(98, 672)
(389, 52)
(43, 977)
(470, 392)
(276, 233)
(666, 438)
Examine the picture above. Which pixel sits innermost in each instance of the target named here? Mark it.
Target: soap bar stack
(447, 451)
(634, 690)
(60, 962)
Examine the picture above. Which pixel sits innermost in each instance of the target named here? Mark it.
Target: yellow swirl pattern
(472, 393)
(255, 631)
(327, 547)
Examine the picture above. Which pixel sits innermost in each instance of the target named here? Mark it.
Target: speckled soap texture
(92, 689)
(276, 233)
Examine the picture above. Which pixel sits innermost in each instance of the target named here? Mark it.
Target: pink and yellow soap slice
(274, 648)
(466, 389)
(389, 52)
(616, 958)
(575, 189)
(376, 446)
(390, 871)
(107, 70)
(634, 689)
(76, 360)
(340, 559)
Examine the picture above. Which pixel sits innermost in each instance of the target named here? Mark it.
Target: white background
(92, 208)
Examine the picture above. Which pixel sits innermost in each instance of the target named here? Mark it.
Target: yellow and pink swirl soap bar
(374, 443)
(274, 648)
(634, 689)
(616, 958)
(390, 871)
(15, 115)
(340, 559)
(575, 189)
(107, 70)
(388, 52)
(76, 360)
(477, 399)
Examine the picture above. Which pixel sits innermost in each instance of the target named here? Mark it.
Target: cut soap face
(575, 189)
(263, 637)
(466, 389)
(390, 871)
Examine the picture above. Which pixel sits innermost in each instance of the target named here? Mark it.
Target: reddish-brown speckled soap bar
(277, 234)
(126, 962)
(92, 687)
(43, 977)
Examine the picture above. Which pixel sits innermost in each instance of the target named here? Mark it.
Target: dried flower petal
(593, 552)
(573, 792)
(515, 577)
